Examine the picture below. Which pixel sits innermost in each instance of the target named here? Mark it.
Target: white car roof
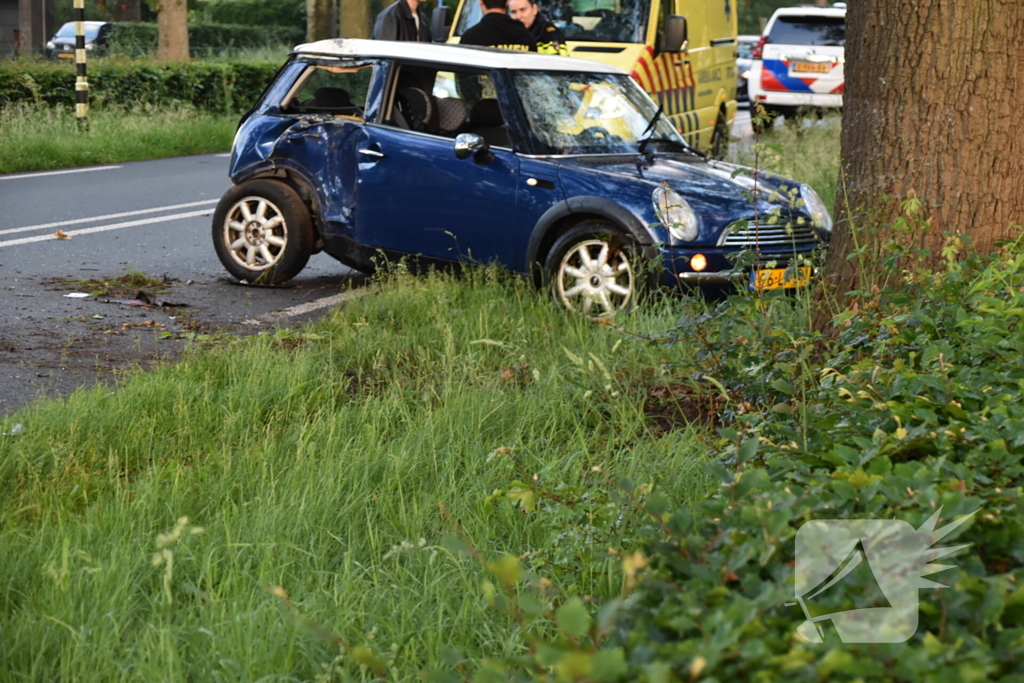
(487, 58)
(810, 11)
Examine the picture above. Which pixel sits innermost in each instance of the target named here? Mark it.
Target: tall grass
(806, 150)
(316, 461)
(38, 137)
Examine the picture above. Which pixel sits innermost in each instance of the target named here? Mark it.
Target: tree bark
(355, 19)
(319, 22)
(172, 30)
(930, 115)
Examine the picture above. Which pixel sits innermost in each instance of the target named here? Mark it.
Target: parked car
(554, 167)
(62, 44)
(799, 61)
(744, 51)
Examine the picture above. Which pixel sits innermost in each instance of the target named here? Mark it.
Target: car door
(414, 196)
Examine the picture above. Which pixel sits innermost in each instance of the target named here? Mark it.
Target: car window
(447, 103)
(586, 113)
(822, 31)
(744, 50)
(68, 31)
(615, 21)
(339, 90)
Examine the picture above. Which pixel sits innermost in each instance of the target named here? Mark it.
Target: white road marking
(44, 226)
(308, 307)
(45, 173)
(104, 228)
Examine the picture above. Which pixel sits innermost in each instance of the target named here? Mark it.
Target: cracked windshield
(580, 113)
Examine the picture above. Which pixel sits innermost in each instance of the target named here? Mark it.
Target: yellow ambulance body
(697, 87)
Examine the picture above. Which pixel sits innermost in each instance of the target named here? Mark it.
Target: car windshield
(744, 50)
(68, 31)
(608, 21)
(587, 113)
(822, 31)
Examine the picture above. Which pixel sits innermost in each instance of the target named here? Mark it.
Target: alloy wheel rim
(595, 279)
(255, 233)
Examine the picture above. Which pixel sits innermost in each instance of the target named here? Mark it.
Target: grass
(37, 137)
(316, 461)
(806, 150)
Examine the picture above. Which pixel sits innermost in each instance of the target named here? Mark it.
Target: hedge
(215, 86)
(132, 38)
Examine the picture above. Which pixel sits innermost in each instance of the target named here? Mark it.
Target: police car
(799, 60)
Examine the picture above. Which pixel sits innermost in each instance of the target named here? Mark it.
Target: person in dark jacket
(497, 29)
(550, 39)
(404, 20)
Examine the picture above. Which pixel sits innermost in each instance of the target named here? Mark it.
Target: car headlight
(820, 216)
(675, 214)
(89, 46)
(49, 45)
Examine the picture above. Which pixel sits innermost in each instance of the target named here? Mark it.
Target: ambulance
(682, 52)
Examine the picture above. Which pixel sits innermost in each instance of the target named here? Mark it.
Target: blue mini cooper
(558, 168)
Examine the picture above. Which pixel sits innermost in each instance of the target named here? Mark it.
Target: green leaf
(506, 569)
(749, 449)
(573, 617)
(750, 480)
(573, 666)
(609, 665)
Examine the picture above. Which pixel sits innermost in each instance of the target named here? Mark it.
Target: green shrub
(912, 408)
(229, 87)
(140, 37)
(257, 12)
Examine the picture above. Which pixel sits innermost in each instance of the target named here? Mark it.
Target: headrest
(332, 98)
(451, 113)
(486, 113)
(418, 109)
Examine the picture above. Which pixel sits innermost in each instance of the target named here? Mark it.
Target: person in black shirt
(403, 20)
(550, 39)
(497, 29)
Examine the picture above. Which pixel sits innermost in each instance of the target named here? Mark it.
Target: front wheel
(594, 269)
(262, 232)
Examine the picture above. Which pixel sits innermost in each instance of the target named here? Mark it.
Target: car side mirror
(676, 37)
(439, 27)
(472, 145)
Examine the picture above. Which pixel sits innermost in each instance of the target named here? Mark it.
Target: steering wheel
(596, 133)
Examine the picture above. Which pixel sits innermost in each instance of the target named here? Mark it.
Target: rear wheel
(594, 269)
(263, 232)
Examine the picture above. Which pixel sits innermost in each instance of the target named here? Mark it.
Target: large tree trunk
(172, 30)
(319, 19)
(354, 19)
(931, 111)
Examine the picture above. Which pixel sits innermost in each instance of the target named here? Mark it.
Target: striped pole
(81, 84)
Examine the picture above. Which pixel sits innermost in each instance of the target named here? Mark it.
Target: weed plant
(279, 506)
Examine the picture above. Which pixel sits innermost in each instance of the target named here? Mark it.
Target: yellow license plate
(65, 55)
(812, 67)
(780, 278)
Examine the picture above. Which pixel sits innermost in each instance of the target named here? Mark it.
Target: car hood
(717, 197)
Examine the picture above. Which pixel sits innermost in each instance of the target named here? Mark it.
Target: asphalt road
(150, 217)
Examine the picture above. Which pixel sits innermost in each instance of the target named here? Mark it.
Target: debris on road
(77, 295)
(15, 430)
(61, 235)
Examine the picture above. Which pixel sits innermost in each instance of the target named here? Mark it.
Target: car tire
(720, 138)
(262, 232)
(595, 270)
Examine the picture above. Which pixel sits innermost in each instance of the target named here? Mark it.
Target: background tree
(320, 19)
(172, 30)
(931, 114)
(354, 19)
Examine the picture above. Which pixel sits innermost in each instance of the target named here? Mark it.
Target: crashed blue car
(558, 168)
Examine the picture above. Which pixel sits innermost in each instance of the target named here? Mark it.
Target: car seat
(335, 100)
(452, 114)
(415, 110)
(485, 120)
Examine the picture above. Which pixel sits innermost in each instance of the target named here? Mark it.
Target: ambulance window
(805, 30)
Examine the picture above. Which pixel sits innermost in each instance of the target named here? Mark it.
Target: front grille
(774, 238)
